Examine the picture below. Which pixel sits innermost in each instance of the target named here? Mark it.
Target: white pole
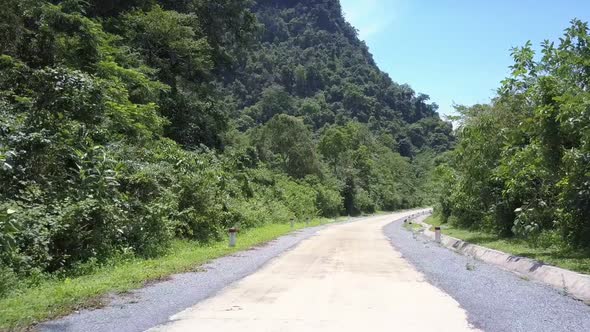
(233, 232)
(437, 236)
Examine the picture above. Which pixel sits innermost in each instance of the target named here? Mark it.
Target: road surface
(367, 275)
(346, 278)
(495, 300)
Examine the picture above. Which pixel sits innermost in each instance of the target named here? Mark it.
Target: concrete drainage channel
(574, 284)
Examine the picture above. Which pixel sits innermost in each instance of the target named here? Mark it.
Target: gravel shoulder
(495, 300)
(152, 305)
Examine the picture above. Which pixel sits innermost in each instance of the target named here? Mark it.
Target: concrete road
(346, 278)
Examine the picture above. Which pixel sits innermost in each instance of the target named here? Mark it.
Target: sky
(456, 51)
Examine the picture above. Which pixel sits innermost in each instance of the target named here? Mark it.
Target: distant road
(346, 278)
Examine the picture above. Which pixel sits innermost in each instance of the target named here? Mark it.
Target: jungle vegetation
(521, 167)
(127, 124)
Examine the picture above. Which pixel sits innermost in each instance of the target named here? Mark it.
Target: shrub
(8, 280)
(299, 198)
(329, 201)
(363, 202)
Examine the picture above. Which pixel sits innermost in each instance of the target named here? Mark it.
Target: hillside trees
(371, 174)
(310, 59)
(288, 139)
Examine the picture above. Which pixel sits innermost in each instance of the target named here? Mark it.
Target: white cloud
(370, 17)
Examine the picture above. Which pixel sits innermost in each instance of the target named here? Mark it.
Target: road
(346, 278)
(370, 274)
(495, 300)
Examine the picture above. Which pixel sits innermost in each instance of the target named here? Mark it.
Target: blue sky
(456, 51)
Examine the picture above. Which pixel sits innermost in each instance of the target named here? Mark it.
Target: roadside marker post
(437, 237)
(233, 232)
(292, 223)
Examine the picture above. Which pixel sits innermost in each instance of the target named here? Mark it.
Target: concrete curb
(571, 283)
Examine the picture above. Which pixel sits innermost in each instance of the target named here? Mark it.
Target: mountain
(311, 59)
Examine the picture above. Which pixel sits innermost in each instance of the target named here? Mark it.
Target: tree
(521, 163)
(288, 138)
(334, 142)
(170, 41)
(274, 100)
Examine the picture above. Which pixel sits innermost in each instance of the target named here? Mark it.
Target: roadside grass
(578, 261)
(412, 226)
(57, 297)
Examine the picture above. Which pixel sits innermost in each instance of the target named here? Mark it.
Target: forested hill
(126, 125)
(310, 59)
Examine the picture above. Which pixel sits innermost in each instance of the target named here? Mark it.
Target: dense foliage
(125, 124)
(522, 163)
(310, 64)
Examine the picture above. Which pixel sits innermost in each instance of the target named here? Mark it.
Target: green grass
(572, 260)
(412, 226)
(55, 298)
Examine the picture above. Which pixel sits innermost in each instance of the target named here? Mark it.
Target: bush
(26, 243)
(258, 211)
(329, 201)
(8, 280)
(363, 202)
(202, 215)
(390, 201)
(299, 198)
